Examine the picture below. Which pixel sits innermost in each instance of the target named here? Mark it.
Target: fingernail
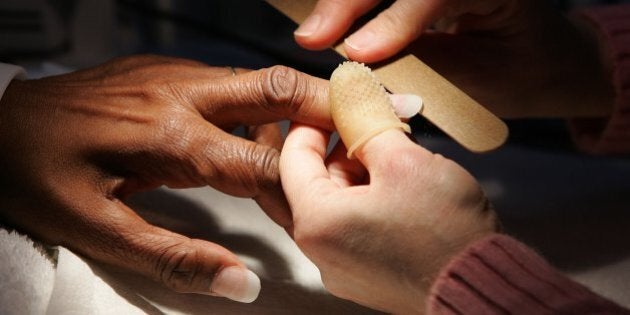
(309, 26)
(360, 40)
(237, 284)
(406, 105)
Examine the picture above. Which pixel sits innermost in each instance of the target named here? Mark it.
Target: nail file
(445, 105)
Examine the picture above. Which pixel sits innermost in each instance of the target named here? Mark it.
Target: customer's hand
(519, 58)
(380, 233)
(72, 147)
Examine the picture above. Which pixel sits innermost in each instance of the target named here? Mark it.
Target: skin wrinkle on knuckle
(173, 266)
(175, 94)
(283, 90)
(187, 147)
(406, 162)
(259, 171)
(205, 167)
(269, 163)
(206, 170)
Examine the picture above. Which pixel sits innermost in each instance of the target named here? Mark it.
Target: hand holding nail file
(446, 106)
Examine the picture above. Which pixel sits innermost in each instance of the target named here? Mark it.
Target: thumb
(182, 264)
(391, 154)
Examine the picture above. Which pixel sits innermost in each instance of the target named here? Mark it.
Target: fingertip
(309, 26)
(237, 284)
(391, 31)
(406, 105)
(311, 36)
(368, 47)
(308, 34)
(301, 136)
(320, 30)
(302, 159)
(329, 21)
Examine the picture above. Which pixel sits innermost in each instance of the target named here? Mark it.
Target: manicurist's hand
(380, 233)
(519, 58)
(72, 147)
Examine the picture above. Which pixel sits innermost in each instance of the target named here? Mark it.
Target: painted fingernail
(237, 284)
(361, 40)
(309, 26)
(406, 105)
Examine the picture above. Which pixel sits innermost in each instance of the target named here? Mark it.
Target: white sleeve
(9, 72)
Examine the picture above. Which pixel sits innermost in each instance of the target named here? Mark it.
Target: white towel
(27, 276)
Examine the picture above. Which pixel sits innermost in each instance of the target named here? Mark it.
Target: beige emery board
(445, 105)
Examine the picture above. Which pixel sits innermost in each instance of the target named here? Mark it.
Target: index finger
(264, 96)
(302, 168)
(392, 30)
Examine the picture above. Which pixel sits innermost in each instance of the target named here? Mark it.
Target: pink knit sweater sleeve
(612, 135)
(499, 275)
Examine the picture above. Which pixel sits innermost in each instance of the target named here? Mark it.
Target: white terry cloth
(30, 283)
(78, 290)
(78, 285)
(27, 276)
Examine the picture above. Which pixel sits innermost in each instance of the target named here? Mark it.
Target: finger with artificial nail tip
(406, 105)
(237, 284)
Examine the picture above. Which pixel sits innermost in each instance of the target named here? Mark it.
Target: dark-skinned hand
(74, 146)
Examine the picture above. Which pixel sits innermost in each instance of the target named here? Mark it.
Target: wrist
(431, 265)
(498, 274)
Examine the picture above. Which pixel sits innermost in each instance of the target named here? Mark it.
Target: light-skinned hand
(381, 227)
(519, 58)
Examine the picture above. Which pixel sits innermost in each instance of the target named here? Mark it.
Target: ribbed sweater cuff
(611, 136)
(499, 275)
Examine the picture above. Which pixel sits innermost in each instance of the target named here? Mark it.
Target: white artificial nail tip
(406, 105)
(237, 284)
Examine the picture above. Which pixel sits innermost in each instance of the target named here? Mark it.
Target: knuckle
(204, 170)
(406, 159)
(200, 151)
(322, 235)
(179, 266)
(268, 164)
(261, 169)
(188, 149)
(283, 90)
